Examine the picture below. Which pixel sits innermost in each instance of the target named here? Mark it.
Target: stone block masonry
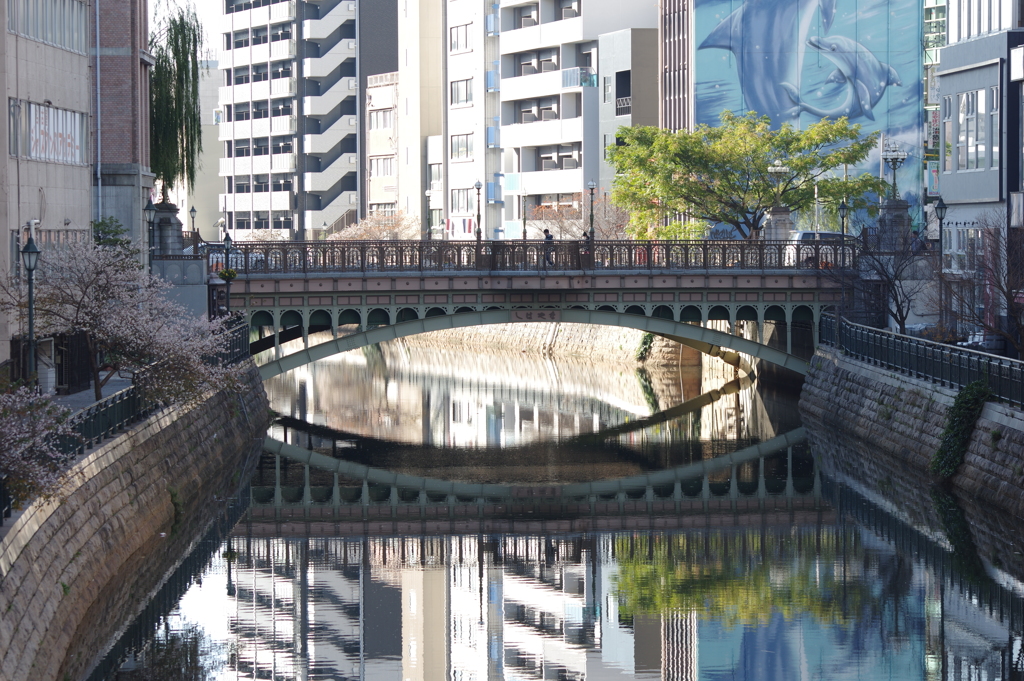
(903, 418)
(73, 572)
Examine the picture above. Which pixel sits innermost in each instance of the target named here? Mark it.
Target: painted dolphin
(865, 77)
(761, 35)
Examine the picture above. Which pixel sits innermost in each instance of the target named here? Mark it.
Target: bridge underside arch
(706, 340)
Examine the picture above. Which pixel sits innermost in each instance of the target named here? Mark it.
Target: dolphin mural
(761, 35)
(865, 77)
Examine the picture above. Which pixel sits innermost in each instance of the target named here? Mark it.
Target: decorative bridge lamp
(192, 212)
(150, 212)
(478, 186)
(227, 266)
(30, 259)
(844, 210)
(591, 186)
(777, 172)
(894, 156)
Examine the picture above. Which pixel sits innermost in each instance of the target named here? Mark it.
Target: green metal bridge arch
(710, 341)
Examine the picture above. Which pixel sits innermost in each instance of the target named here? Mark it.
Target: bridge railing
(306, 257)
(946, 365)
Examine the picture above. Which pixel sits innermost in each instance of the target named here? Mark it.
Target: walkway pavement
(80, 400)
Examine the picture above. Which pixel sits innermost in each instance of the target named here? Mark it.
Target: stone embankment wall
(594, 342)
(73, 571)
(903, 418)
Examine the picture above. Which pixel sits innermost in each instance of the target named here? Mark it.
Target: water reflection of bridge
(753, 477)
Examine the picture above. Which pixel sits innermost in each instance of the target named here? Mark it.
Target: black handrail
(946, 365)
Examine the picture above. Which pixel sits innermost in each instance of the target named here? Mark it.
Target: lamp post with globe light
(30, 259)
(894, 156)
(478, 186)
(150, 212)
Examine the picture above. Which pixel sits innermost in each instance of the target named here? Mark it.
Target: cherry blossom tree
(128, 320)
(380, 226)
(30, 427)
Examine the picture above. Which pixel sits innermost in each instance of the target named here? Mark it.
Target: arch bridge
(737, 296)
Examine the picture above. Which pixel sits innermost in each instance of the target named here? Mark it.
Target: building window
(280, 32)
(947, 134)
(261, 146)
(382, 166)
(243, 220)
(260, 73)
(241, 75)
(241, 39)
(994, 128)
(282, 219)
(242, 112)
(281, 69)
(459, 38)
(260, 184)
(62, 23)
(261, 219)
(972, 118)
(462, 147)
(436, 217)
(242, 185)
(242, 148)
(462, 91)
(382, 119)
(281, 107)
(281, 145)
(46, 133)
(606, 89)
(259, 36)
(281, 183)
(385, 209)
(260, 109)
(462, 201)
(435, 175)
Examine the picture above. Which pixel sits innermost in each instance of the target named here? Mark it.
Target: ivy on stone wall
(960, 420)
(644, 348)
(958, 531)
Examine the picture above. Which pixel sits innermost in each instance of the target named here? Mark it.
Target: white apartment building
(288, 110)
(519, 120)
(550, 135)
(381, 135)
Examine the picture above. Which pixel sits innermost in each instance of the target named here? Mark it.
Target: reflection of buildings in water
(475, 400)
(780, 600)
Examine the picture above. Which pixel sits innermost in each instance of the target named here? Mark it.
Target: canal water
(779, 567)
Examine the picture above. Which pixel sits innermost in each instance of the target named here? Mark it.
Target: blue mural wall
(798, 61)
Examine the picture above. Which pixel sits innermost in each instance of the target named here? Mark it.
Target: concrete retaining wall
(902, 417)
(74, 571)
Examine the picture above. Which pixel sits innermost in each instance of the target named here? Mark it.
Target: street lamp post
(150, 213)
(478, 186)
(524, 217)
(227, 266)
(777, 172)
(428, 233)
(894, 156)
(940, 214)
(192, 212)
(30, 259)
(844, 210)
(591, 186)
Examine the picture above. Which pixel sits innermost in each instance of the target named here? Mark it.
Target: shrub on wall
(960, 420)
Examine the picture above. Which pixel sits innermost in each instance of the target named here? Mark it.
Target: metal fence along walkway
(946, 365)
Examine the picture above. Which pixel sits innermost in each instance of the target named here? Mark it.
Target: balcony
(541, 133)
(580, 76)
(546, 34)
(623, 106)
(282, 125)
(282, 87)
(552, 181)
(282, 163)
(282, 49)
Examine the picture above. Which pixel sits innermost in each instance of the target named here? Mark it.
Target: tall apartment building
(294, 75)
(47, 175)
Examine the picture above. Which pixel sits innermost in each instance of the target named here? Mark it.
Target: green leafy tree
(175, 122)
(110, 232)
(721, 174)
